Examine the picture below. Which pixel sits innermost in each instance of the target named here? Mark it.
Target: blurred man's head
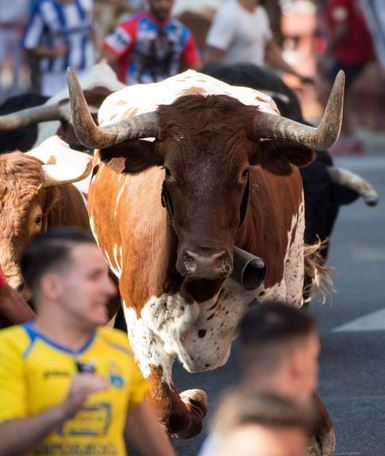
(67, 273)
(160, 10)
(262, 425)
(279, 350)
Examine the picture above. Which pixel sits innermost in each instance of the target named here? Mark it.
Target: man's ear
(132, 156)
(278, 156)
(51, 286)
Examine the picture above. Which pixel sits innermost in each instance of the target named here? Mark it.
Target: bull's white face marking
(147, 97)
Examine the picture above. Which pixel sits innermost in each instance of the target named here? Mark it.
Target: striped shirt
(54, 24)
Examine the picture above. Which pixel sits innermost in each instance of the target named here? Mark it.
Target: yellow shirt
(35, 374)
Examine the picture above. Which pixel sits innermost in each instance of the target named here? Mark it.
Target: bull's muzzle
(206, 264)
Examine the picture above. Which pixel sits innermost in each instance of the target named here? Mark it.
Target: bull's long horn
(276, 127)
(354, 182)
(31, 116)
(94, 137)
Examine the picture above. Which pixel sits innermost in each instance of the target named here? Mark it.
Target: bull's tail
(318, 276)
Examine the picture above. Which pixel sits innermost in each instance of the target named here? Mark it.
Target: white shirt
(242, 34)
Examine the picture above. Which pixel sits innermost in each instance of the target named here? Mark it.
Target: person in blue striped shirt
(60, 33)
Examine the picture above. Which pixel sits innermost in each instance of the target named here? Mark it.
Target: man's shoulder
(14, 338)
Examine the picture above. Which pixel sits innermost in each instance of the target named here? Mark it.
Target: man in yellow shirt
(68, 384)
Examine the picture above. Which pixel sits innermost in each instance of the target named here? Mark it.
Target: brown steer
(224, 163)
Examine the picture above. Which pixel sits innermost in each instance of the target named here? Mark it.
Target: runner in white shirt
(240, 33)
(235, 31)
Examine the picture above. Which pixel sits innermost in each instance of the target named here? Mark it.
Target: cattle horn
(94, 137)
(31, 116)
(354, 182)
(248, 270)
(60, 174)
(272, 126)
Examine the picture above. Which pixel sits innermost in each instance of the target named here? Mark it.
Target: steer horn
(33, 115)
(94, 137)
(354, 182)
(248, 270)
(271, 126)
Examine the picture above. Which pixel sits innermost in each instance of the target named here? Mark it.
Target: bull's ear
(132, 156)
(277, 156)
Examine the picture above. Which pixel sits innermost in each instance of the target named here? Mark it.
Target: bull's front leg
(182, 414)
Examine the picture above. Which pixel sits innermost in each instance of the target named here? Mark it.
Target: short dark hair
(272, 325)
(50, 250)
(239, 407)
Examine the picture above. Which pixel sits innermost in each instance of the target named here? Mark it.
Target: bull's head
(207, 146)
(28, 194)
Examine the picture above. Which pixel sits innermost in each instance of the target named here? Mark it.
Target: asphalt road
(352, 328)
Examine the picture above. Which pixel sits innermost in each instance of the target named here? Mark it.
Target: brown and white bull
(225, 164)
(35, 194)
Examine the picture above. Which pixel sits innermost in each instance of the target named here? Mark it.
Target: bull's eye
(39, 219)
(245, 174)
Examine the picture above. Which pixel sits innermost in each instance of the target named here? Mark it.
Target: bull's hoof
(328, 443)
(314, 448)
(323, 446)
(195, 401)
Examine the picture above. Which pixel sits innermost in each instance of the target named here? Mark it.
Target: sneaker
(347, 146)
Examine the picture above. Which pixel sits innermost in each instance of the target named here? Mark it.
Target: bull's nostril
(189, 263)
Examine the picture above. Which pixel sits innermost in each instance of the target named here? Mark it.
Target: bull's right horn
(94, 137)
(354, 182)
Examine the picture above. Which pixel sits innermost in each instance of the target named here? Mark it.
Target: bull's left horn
(94, 137)
(32, 116)
(271, 126)
(355, 182)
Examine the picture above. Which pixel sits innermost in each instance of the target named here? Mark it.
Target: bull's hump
(141, 98)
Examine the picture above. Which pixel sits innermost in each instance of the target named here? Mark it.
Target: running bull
(219, 169)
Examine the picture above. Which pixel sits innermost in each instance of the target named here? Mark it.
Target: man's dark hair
(239, 408)
(49, 251)
(268, 330)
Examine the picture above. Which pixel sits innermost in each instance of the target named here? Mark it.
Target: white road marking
(374, 321)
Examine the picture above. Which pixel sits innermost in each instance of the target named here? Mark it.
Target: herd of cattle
(181, 172)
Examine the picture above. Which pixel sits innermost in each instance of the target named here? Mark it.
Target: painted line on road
(374, 321)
